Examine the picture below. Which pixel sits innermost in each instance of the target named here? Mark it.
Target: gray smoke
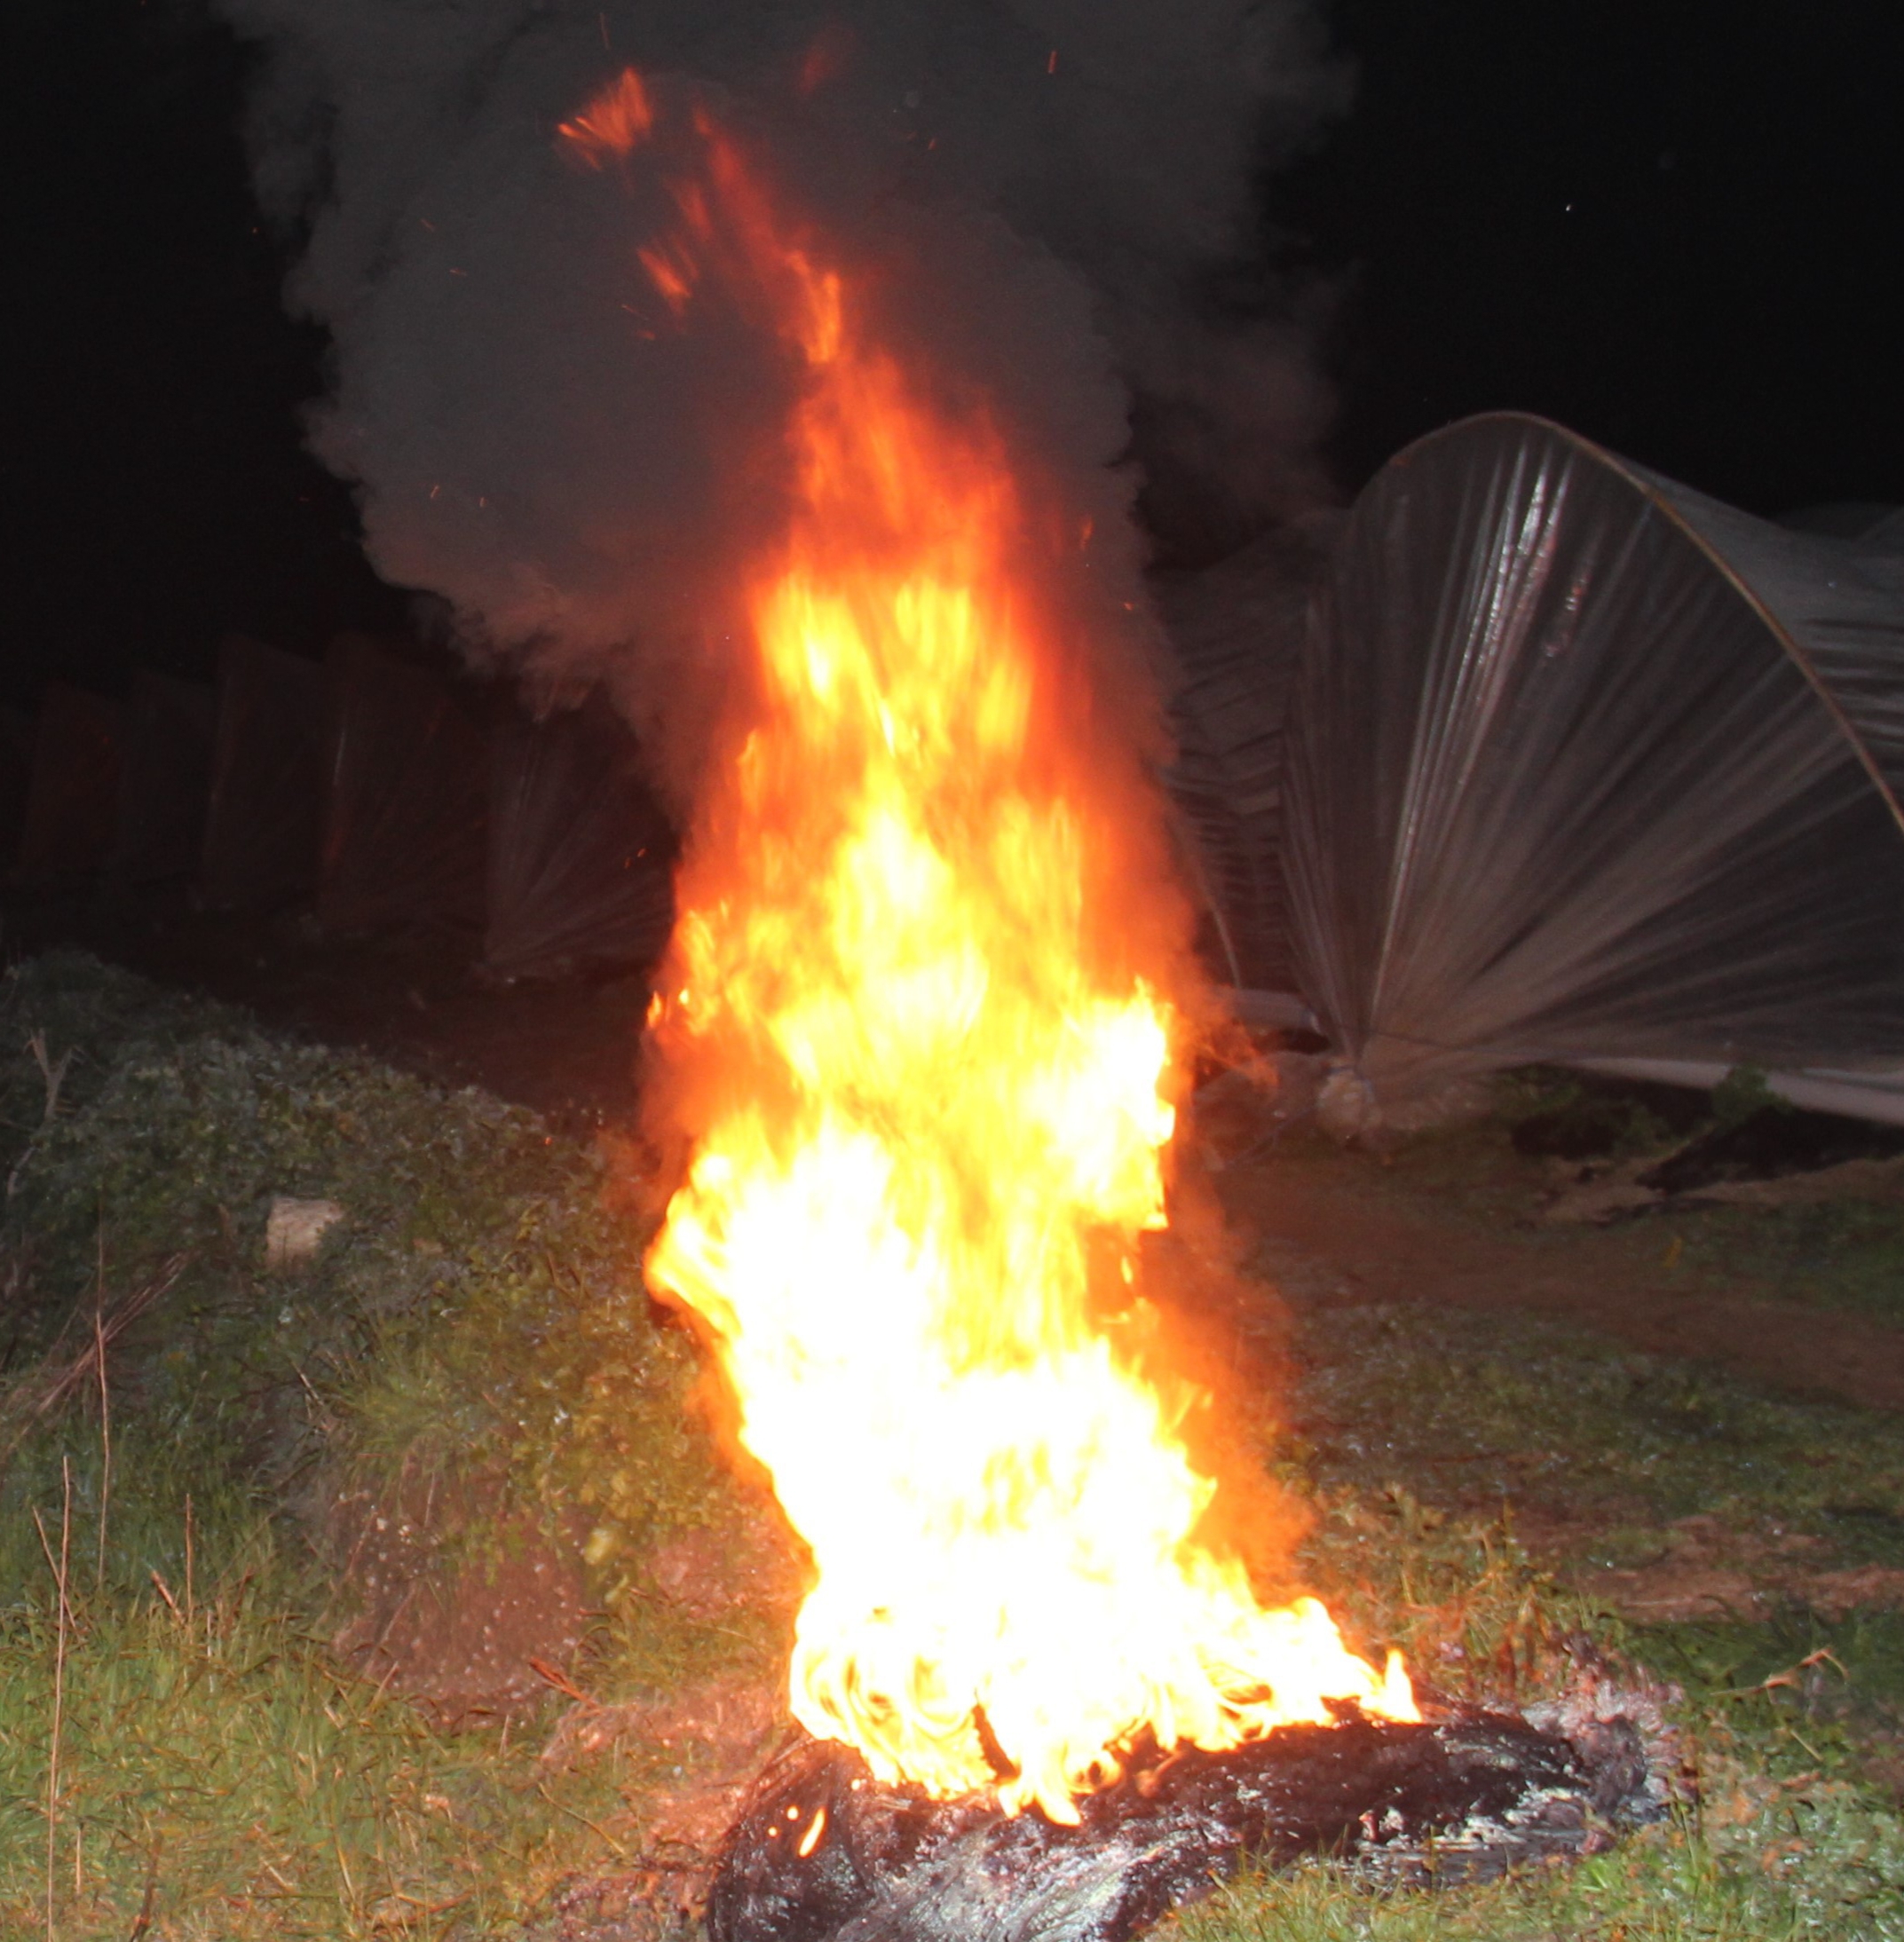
(1041, 186)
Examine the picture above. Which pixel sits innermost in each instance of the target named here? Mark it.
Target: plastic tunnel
(1234, 637)
(268, 779)
(580, 853)
(165, 780)
(406, 811)
(1585, 766)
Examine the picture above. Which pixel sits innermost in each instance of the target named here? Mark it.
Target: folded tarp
(165, 779)
(1582, 765)
(72, 807)
(580, 853)
(1234, 635)
(407, 807)
(268, 779)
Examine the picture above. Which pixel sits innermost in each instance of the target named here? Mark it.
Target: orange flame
(618, 120)
(933, 1111)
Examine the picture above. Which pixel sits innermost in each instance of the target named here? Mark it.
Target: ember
(921, 1038)
(825, 1853)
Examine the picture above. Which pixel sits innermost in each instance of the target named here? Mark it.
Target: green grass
(1794, 1727)
(224, 1758)
(1789, 1837)
(480, 1321)
(1469, 1410)
(1836, 1254)
(1806, 1862)
(478, 1312)
(478, 1318)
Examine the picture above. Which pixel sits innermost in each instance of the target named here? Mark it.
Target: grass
(1435, 1440)
(222, 1765)
(1785, 1865)
(478, 1324)
(223, 1774)
(1469, 1411)
(1790, 1837)
(478, 1319)
(1836, 1254)
(1795, 1725)
(477, 1311)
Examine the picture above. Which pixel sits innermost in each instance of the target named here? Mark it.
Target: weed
(1743, 1094)
(1836, 1253)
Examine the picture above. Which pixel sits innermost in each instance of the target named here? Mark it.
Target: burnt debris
(824, 1853)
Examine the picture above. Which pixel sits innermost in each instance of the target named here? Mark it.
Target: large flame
(933, 1106)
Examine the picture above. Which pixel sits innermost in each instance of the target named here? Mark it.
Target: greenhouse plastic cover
(580, 853)
(1234, 638)
(406, 810)
(165, 779)
(268, 779)
(72, 807)
(1582, 765)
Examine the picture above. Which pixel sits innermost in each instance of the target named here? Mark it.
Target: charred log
(825, 1853)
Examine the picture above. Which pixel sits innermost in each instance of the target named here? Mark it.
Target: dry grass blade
(553, 1675)
(142, 1925)
(105, 1411)
(58, 1570)
(33, 1401)
(52, 1076)
(52, 1073)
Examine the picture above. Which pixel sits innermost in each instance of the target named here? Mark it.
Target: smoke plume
(1041, 190)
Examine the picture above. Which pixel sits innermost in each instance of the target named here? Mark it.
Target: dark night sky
(157, 492)
(1670, 225)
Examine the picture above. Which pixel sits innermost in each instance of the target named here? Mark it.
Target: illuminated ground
(474, 1365)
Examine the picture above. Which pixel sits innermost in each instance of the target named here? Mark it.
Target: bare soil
(1364, 1237)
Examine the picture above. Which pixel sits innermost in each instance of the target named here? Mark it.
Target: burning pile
(910, 1024)
(826, 1854)
(918, 1025)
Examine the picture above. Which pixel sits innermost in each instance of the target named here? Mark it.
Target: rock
(294, 1230)
(1345, 1104)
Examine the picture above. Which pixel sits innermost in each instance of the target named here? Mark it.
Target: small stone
(294, 1229)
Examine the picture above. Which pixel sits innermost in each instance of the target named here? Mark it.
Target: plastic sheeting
(165, 782)
(267, 780)
(580, 853)
(1234, 633)
(1583, 765)
(72, 807)
(407, 811)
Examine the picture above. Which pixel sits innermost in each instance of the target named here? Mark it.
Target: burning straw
(918, 1025)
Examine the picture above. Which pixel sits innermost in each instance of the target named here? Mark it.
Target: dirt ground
(1358, 1238)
